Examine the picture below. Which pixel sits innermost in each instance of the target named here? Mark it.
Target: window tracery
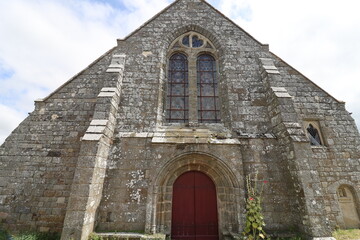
(193, 40)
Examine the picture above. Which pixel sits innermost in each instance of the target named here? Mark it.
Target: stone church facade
(187, 101)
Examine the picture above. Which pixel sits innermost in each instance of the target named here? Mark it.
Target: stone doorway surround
(229, 192)
(355, 198)
(348, 207)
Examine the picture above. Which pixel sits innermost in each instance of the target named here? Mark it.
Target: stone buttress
(296, 154)
(86, 190)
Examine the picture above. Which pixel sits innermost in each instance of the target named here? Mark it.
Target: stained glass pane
(207, 90)
(196, 42)
(178, 90)
(206, 77)
(206, 65)
(186, 41)
(179, 77)
(177, 114)
(208, 115)
(208, 101)
(177, 105)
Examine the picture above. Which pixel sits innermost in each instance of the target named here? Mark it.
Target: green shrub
(3, 235)
(93, 236)
(348, 234)
(254, 217)
(37, 236)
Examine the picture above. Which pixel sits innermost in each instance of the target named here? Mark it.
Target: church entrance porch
(194, 207)
(199, 189)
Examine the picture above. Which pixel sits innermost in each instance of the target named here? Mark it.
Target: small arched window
(313, 132)
(314, 135)
(207, 90)
(178, 89)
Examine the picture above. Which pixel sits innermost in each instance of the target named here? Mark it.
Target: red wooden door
(194, 208)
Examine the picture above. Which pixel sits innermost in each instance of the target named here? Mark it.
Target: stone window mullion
(193, 116)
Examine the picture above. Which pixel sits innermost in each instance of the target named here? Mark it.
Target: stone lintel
(282, 94)
(109, 89)
(195, 140)
(106, 94)
(279, 89)
(271, 67)
(109, 92)
(91, 137)
(272, 71)
(96, 130)
(99, 122)
(324, 238)
(190, 134)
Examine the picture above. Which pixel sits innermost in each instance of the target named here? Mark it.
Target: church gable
(187, 101)
(150, 45)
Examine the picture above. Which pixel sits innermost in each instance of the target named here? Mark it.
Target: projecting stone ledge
(194, 140)
(96, 130)
(131, 236)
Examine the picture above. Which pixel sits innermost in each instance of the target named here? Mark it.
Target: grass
(349, 234)
(2, 235)
(30, 236)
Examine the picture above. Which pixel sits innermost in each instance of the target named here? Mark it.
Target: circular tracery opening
(192, 40)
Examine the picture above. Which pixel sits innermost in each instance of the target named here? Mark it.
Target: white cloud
(9, 120)
(45, 42)
(319, 38)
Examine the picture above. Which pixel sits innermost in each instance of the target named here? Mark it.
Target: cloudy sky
(45, 42)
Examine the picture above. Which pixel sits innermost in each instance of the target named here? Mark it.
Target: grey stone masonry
(86, 190)
(296, 153)
(100, 153)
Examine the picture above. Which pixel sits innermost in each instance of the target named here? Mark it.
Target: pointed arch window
(313, 132)
(207, 90)
(178, 89)
(192, 89)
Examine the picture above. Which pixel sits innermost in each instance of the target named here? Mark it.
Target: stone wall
(37, 161)
(338, 161)
(264, 102)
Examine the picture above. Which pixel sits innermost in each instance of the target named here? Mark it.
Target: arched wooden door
(194, 208)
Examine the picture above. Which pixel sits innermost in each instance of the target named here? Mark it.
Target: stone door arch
(229, 189)
(348, 207)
